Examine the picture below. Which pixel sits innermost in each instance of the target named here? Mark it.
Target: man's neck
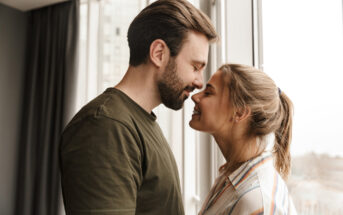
(140, 84)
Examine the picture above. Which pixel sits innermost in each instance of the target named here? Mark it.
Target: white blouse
(254, 188)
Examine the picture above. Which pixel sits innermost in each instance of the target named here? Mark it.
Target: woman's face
(212, 112)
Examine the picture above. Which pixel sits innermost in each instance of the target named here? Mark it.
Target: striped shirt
(254, 188)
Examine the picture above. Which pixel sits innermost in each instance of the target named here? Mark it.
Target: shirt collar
(249, 167)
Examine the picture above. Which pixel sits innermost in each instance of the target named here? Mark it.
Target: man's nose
(198, 82)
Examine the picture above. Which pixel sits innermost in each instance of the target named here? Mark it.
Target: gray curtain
(49, 94)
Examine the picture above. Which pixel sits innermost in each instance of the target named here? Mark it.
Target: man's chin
(175, 105)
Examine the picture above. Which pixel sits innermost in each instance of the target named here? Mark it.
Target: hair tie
(279, 91)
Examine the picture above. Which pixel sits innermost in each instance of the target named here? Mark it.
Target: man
(114, 157)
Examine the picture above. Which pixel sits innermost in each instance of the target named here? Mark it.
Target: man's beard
(171, 87)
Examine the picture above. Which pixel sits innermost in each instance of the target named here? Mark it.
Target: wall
(12, 58)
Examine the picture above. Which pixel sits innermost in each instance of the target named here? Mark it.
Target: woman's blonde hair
(271, 109)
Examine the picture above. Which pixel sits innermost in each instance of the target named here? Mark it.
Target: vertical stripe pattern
(273, 203)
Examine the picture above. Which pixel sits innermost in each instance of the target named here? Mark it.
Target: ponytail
(271, 110)
(283, 137)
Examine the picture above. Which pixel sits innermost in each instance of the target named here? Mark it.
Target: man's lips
(189, 89)
(188, 92)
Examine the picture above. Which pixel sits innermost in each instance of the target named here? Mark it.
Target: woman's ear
(159, 53)
(242, 114)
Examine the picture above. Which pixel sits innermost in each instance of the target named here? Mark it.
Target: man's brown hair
(169, 20)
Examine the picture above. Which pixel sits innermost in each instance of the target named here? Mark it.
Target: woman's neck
(238, 150)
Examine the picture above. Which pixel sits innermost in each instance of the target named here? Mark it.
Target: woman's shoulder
(260, 189)
(247, 186)
(247, 173)
(249, 201)
(259, 197)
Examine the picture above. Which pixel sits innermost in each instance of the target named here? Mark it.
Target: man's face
(184, 72)
(171, 87)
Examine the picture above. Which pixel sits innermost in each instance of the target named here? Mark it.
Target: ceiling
(25, 5)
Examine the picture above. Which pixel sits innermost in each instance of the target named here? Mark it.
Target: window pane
(103, 48)
(81, 77)
(115, 18)
(303, 53)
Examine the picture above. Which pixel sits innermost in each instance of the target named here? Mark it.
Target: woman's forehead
(218, 80)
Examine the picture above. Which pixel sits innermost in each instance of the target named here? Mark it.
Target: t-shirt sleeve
(101, 168)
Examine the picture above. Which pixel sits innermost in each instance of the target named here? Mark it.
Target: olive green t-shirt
(115, 160)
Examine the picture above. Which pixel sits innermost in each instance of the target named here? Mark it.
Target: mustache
(189, 88)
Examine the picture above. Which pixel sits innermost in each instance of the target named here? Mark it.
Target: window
(233, 21)
(303, 53)
(103, 48)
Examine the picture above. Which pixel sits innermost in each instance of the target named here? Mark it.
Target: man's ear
(242, 114)
(159, 53)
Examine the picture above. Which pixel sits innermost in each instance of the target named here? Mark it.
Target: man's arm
(101, 167)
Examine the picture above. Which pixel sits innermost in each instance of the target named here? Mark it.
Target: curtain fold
(48, 101)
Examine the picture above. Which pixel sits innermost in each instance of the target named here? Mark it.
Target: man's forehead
(197, 49)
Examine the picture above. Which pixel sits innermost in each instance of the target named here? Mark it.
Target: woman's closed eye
(207, 93)
(209, 90)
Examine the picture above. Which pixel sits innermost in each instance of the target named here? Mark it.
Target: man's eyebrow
(201, 63)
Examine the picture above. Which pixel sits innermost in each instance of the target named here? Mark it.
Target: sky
(303, 53)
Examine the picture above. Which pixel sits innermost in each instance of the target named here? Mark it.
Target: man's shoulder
(108, 106)
(114, 106)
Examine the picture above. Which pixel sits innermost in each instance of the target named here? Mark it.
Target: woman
(239, 107)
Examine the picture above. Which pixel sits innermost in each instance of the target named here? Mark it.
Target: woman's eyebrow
(210, 86)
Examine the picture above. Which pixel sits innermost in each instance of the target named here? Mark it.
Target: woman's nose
(196, 98)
